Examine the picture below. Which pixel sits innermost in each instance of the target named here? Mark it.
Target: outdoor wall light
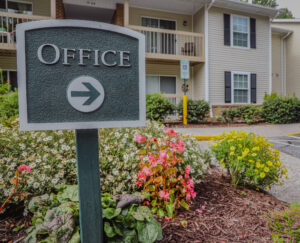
(184, 23)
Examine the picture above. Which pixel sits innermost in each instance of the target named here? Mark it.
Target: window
(240, 31)
(161, 84)
(240, 88)
(16, 7)
(9, 76)
(160, 42)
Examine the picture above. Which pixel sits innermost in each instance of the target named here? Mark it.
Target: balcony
(8, 22)
(172, 45)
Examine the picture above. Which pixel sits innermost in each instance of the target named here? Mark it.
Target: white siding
(225, 58)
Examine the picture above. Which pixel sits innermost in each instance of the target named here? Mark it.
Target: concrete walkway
(262, 130)
(290, 191)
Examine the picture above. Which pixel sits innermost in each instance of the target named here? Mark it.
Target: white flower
(32, 165)
(30, 180)
(54, 181)
(36, 185)
(47, 167)
(61, 140)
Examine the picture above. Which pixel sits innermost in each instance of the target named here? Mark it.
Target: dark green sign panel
(80, 75)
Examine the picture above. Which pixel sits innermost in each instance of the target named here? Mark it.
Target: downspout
(207, 7)
(283, 62)
(270, 59)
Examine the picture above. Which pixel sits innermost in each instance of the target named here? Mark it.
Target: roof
(286, 21)
(281, 30)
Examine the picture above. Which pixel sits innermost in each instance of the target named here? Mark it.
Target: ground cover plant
(51, 155)
(247, 113)
(8, 102)
(197, 110)
(249, 159)
(285, 224)
(56, 219)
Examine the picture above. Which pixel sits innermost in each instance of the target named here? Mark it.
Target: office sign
(80, 75)
(185, 69)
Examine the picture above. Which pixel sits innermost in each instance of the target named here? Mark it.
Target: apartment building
(228, 42)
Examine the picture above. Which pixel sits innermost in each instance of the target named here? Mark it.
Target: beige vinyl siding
(136, 14)
(40, 7)
(8, 62)
(225, 58)
(292, 58)
(169, 70)
(199, 69)
(276, 64)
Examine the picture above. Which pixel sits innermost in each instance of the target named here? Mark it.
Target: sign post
(81, 75)
(185, 75)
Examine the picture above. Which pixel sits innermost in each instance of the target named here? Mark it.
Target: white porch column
(126, 13)
(53, 9)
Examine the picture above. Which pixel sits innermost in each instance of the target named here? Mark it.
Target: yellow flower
(269, 163)
(266, 169)
(287, 177)
(232, 153)
(215, 145)
(256, 170)
(239, 157)
(250, 160)
(255, 149)
(240, 145)
(232, 148)
(262, 175)
(257, 164)
(267, 187)
(254, 154)
(223, 165)
(222, 160)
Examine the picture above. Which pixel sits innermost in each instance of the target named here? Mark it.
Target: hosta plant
(56, 219)
(166, 185)
(249, 159)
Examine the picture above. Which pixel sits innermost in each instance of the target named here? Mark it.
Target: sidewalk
(262, 130)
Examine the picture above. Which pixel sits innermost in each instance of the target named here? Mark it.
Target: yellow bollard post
(184, 110)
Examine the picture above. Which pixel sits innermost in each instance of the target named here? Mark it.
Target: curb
(293, 134)
(203, 138)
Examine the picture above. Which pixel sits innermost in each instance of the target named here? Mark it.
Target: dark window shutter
(253, 33)
(227, 29)
(227, 87)
(253, 88)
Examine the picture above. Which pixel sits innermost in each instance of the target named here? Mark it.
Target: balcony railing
(171, 44)
(8, 22)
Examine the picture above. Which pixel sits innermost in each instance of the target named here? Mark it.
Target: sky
(293, 5)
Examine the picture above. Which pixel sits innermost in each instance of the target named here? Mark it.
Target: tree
(286, 14)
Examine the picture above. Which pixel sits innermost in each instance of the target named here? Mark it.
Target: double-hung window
(241, 87)
(14, 6)
(240, 31)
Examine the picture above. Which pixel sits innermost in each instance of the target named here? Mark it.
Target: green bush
(197, 110)
(247, 113)
(8, 105)
(285, 224)
(56, 219)
(52, 157)
(281, 110)
(158, 107)
(249, 159)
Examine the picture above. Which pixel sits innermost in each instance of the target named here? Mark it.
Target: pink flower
(163, 155)
(152, 158)
(180, 177)
(186, 176)
(194, 194)
(199, 211)
(139, 184)
(188, 196)
(167, 219)
(142, 176)
(142, 157)
(24, 167)
(140, 138)
(203, 207)
(146, 171)
(164, 195)
(188, 169)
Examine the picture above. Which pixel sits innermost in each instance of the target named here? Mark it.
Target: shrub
(247, 113)
(166, 185)
(285, 224)
(8, 105)
(281, 110)
(157, 107)
(52, 157)
(197, 110)
(56, 219)
(249, 159)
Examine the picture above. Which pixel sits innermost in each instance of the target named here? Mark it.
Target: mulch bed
(210, 124)
(229, 215)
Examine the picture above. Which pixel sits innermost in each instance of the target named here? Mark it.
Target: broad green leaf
(130, 236)
(70, 193)
(185, 205)
(117, 229)
(109, 231)
(142, 213)
(153, 203)
(154, 210)
(110, 213)
(158, 179)
(170, 209)
(171, 171)
(161, 213)
(147, 232)
(142, 152)
(76, 237)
